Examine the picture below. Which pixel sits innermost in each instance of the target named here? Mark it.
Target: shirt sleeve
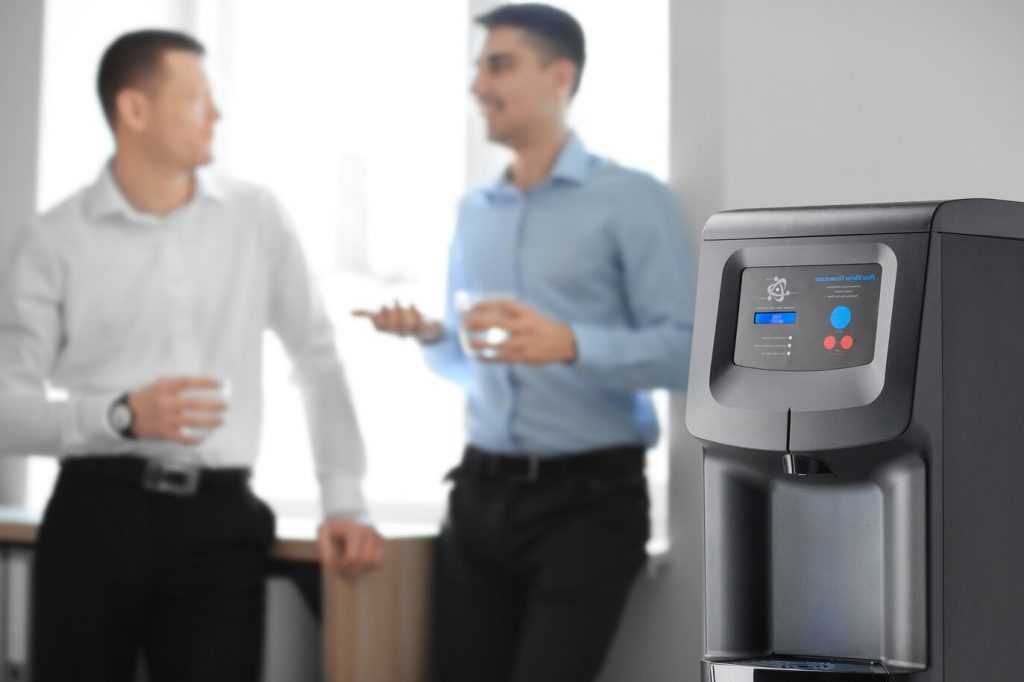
(444, 356)
(31, 334)
(657, 274)
(298, 318)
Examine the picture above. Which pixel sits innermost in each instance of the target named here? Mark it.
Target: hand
(360, 547)
(159, 411)
(402, 321)
(534, 338)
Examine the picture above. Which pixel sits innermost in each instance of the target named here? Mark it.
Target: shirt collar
(571, 166)
(572, 163)
(107, 199)
(208, 186)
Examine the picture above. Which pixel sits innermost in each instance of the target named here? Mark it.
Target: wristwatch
(121, 417)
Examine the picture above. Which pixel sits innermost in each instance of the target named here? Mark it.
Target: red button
(830, 342)
(846, 342)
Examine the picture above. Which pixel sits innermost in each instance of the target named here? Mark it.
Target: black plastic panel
(983, 432)
(749, 408)
(805, 318)
(980, 218)
(821, 221)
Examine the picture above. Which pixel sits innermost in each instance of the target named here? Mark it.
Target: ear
(564, 72)
(132, 108)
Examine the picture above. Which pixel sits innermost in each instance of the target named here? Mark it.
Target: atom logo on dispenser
(778, 290)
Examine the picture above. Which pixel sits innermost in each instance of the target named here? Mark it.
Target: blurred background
(357, 115)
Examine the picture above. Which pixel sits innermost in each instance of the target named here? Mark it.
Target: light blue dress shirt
(601, 248)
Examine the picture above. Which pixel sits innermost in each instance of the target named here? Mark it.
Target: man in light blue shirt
(600, 248)
(570, 295)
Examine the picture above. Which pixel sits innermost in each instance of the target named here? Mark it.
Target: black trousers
(122, 571)
(534, 567)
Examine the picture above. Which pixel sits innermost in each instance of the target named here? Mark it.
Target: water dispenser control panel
(808, 317)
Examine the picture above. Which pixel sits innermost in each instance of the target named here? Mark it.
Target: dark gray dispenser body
(864, 497)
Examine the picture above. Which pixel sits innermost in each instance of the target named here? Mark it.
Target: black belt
(612, 462)
(160, 476)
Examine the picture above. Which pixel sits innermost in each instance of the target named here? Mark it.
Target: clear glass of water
(465, 301)
(221, 393)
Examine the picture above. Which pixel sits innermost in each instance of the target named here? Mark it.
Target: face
(174, 115)
(519, 91)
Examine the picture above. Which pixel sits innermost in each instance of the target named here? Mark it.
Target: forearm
(655, 357)
(445, 357)
(32, 425)
(338, 451)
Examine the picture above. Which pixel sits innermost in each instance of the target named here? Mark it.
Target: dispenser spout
(802, 465)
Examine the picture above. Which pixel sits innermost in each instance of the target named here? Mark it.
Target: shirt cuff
(433, 341)
(342, 496)
(594, 347)
(93, 417)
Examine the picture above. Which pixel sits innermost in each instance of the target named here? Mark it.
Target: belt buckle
(532, 471)
(171, 478)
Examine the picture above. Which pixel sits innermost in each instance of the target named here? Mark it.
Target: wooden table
(375, 628)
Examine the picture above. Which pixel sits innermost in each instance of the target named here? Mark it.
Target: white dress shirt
(102, 299)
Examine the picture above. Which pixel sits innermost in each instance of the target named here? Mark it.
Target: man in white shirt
(145, 296)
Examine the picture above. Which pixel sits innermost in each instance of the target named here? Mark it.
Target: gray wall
(661, 636)
(826, 101)
(21, 46)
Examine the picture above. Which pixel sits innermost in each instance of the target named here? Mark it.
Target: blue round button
(841, 317)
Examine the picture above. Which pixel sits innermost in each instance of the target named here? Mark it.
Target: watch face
(120, 417)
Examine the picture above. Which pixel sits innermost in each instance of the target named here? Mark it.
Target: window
(367, 101)
(356, 114)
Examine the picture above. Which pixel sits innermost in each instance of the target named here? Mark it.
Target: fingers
(178, 435)
(352, 553)
(389, 319)
(169, 407)
(478, 322)
(395, 319)
(363, 552)
(500, 307)
(179, 384)
(325, 543)
(197, 414)
(197, 421)
(485, 349)
(502, 314)
(412, 321)
(531, 337)
(509, 353)
(197, 405)
(361, 547)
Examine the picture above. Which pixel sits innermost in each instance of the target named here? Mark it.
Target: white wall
(21, 31)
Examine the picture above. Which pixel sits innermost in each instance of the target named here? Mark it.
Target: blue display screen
(788, 317)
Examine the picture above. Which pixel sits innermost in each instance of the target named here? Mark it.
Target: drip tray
(793, 668)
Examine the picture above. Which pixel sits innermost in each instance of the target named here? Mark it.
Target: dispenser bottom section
(793, 669)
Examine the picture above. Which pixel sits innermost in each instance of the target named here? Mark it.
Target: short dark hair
(557, 32)
(134, 58)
